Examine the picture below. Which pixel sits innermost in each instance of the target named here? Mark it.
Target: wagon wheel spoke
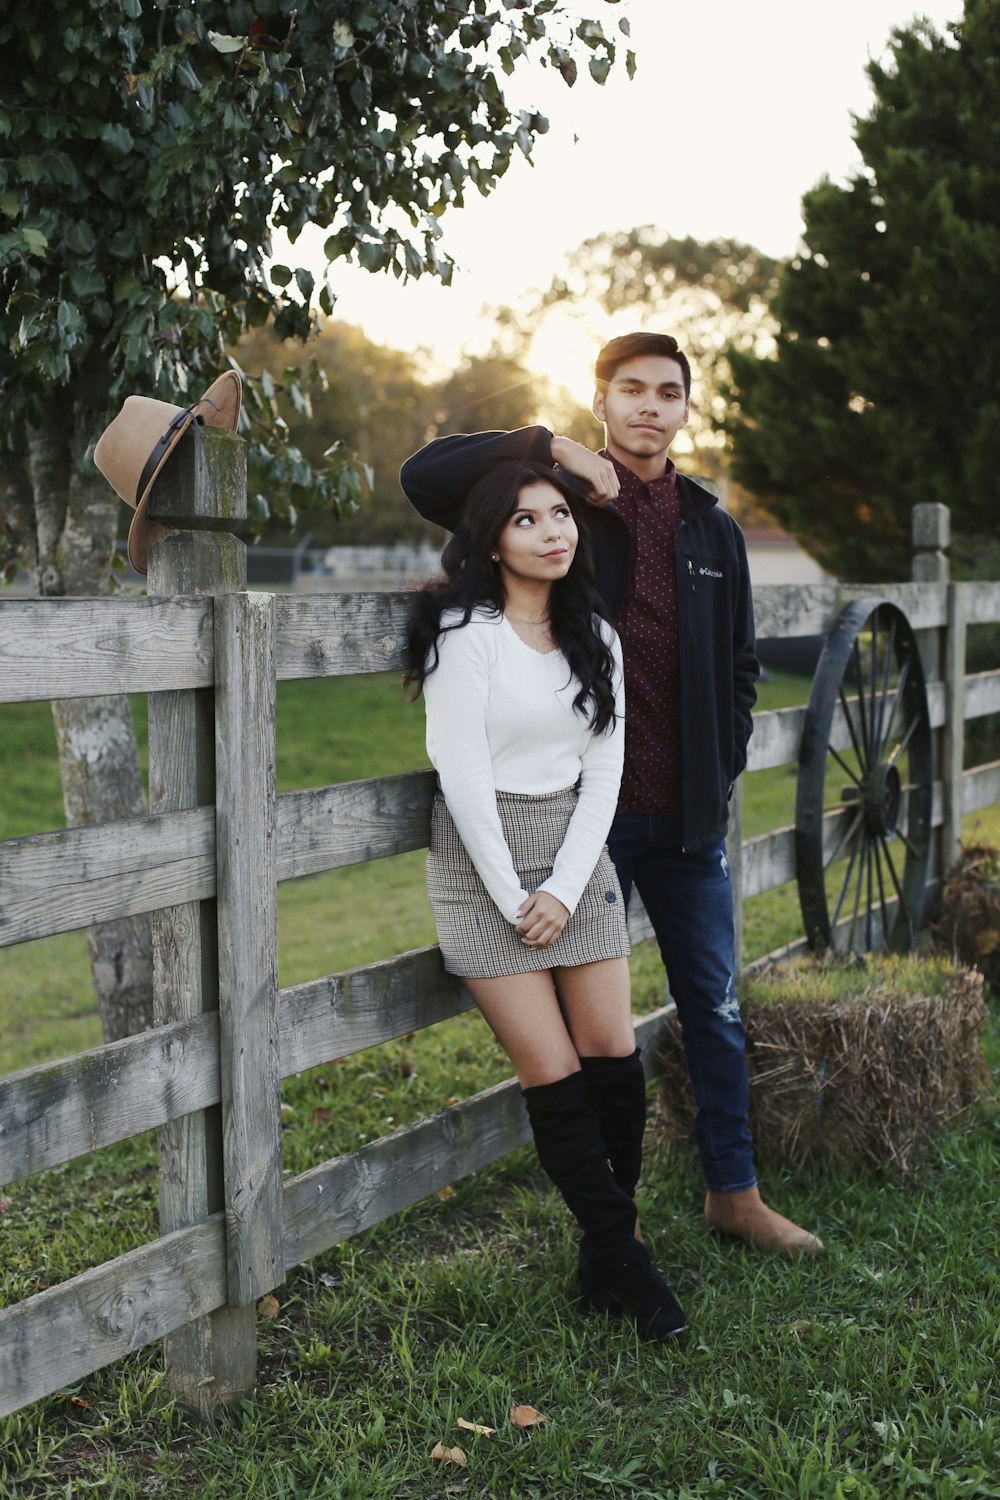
(857, 894)
(844, 766)
(905, 912)
(851, 830)
(880, 736)
(865, 739)
(911, 847)
(883, 904)
(904, 673)
(907, 737)
(892, 872)
(843, 889)
(850, 727)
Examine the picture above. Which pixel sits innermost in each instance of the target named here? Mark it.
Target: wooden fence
(206, 862)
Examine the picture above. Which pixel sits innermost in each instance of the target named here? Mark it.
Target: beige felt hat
(132, 450)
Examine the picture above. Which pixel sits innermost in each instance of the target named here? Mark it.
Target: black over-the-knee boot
(616, 1087)
(573, 1153)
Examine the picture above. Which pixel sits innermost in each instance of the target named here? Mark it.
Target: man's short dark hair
(632, 346)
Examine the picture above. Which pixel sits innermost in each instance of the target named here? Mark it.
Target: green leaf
(566, 64)
(86, 282)
(372, 255)
(35, 240)
(339, 244)
(280, 275)
(10, 203)
(132, 8)
(223, 43)
(600, 67)
(128, 288)
(305, 281)
(118, 137)
(61, 168)
(414, 260)
(187, 75)
(69, 317)
(29, 167)
(80, 237)
(591, 33)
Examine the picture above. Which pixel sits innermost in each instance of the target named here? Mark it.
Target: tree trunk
(17, 521)
(75, 515)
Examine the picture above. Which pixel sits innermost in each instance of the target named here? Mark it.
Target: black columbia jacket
(718, 664)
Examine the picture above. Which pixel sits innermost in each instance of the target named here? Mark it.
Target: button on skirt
(477, 942)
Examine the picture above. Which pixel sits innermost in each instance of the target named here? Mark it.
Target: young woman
(522, 682)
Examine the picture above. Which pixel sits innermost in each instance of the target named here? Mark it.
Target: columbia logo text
(710, 572)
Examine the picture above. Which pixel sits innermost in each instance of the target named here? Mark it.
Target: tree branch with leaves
(151, 150)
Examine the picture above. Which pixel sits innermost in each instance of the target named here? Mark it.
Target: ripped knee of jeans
(728, 1008)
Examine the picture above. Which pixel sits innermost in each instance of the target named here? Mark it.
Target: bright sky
(735, 111)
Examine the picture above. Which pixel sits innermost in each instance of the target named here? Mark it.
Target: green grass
(868, 1374)
(871, 1373)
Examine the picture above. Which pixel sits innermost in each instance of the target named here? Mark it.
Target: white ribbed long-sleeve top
(500, 717)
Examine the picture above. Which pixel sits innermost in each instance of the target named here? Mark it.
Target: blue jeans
(689, 901)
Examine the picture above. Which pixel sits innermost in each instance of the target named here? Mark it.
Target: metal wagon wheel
(863, 801)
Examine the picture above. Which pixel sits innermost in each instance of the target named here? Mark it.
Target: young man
(672, 568)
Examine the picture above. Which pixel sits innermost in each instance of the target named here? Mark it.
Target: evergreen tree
(885, 387)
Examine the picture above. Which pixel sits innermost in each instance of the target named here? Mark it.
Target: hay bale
(967, 923)
(853, 1064)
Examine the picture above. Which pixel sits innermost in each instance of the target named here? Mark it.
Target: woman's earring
(495, 556)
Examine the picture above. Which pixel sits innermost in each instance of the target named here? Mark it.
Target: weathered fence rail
(207, 860)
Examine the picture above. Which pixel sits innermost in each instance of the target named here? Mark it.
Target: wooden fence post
(246, 862)
(211, 1361)
(953, 757)
(931, 538)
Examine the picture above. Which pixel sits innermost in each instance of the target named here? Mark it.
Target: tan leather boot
(746, 1216)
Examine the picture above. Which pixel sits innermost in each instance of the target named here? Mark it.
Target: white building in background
(775, 557)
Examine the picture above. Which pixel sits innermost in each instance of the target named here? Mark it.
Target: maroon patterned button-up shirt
(649, 636)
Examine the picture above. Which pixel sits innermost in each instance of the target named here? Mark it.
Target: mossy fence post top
(201, 495)
(203, 486)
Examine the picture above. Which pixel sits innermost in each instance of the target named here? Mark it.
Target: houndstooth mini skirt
(477, 942)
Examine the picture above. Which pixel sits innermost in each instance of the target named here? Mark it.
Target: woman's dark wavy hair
(470, 579)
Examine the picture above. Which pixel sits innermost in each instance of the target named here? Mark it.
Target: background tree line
(378, 404)
(834, 390)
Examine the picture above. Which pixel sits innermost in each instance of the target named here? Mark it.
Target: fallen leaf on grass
(6, 1204)
(476, 1427)
(321, 1115)
(269, 1306)
(526, 1416)
(449, 1455)
(74, 1400)
(445, 1193)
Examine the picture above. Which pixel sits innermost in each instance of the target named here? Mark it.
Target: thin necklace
(523, 620)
